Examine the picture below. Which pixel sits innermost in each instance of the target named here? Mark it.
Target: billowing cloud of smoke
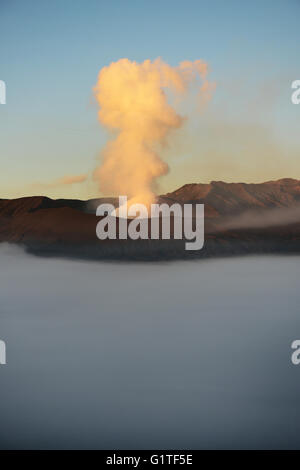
(134, 105)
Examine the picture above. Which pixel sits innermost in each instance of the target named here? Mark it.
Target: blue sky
(51, 53)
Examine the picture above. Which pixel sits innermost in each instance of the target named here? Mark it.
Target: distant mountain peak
(222, 198)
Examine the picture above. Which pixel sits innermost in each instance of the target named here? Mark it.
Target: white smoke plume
(133, 101)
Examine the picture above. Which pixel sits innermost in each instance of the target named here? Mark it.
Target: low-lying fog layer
(175, 355)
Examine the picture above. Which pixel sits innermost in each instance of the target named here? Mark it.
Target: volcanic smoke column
(133, 105)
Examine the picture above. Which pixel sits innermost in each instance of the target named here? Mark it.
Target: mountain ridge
(228, 198)
(240, 218)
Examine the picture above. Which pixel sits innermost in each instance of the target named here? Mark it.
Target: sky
(50, 57)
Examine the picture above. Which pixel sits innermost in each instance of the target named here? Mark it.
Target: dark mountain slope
(240, 219)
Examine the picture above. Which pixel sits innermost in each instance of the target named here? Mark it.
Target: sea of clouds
(149, 355)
